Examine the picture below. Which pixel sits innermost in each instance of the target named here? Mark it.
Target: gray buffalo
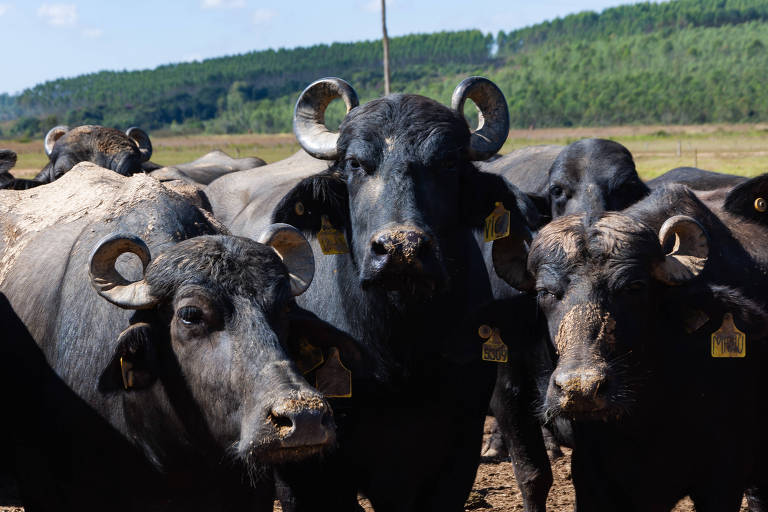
(150, 352)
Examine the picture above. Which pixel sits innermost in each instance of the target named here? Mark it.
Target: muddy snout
(399, 252)
(579, 390)
(400, 247)
(302, 422)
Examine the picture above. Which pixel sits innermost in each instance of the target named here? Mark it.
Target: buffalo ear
(304, 205)
(510, 261)
(749, 199)
(306, 327)
(543, 206)
(134, 363)
(480, 191)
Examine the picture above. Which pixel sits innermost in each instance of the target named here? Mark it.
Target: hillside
(684, 61)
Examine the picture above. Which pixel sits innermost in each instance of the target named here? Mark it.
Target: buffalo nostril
(379, 247)
(283, 423)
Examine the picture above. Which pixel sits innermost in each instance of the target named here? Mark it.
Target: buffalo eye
(190, 315)
(546, 296)
(354, 165)
(635, 286)
(556, 191)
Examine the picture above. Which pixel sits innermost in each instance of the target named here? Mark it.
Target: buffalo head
(600, 287)
(214, 320)
(402, 187)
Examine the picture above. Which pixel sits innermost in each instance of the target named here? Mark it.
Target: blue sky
(46, 40)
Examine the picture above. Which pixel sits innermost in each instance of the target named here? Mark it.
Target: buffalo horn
(107, 280)
(141, 138)
(295, 251)
(309, 116)
(52, 136)
(689, 252)
(492, 116)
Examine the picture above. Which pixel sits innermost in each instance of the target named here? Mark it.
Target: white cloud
(92, 33)
(4, 8)
(261, 16)
(58, 15)
(222, 4)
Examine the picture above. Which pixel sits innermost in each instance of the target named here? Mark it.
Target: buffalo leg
(513, 404)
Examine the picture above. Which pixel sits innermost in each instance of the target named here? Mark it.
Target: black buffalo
(166, 389)
(125, 153)
(589, 175)
(400, 197)
(635, 305)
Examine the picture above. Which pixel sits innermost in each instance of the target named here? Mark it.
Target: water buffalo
(394, 200)
(589, 175)
(207, 168)
(166, 381)
(124, 153)
(657, 317)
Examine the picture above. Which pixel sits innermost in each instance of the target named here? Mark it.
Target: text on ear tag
(729, 341)
(331, 240)
(309, 356)
(126, 370)
(494, 350)
(333, 379)
(497, 223)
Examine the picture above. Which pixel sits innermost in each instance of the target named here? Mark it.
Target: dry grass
(738, 149)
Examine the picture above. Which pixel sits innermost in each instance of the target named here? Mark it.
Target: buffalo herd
(224, 333)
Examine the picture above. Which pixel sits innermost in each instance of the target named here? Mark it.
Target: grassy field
(737, 149)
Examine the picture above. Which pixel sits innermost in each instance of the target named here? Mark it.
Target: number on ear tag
(728, 341)
(494, 350)
(333, 379)
(332, 241)
(497, 223)
(309, 356)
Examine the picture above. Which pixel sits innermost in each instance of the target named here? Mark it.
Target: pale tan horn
(689, 253)
(52, 136)
(492, 114)
(295, 251)
(309, 116)
(107, 280)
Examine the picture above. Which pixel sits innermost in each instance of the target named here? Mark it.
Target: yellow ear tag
(309, 356)
(497, 223)
(331, 240)
(728, 341)
(494, 350)
(333, 379)
(126, 370)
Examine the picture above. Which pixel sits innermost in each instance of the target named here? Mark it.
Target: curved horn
(109, 283)
(141, 138)
(492, 116)
(295, 251)
(52, 136)
(689, 253)
(309, 116)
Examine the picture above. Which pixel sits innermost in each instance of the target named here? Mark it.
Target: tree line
(684, 61)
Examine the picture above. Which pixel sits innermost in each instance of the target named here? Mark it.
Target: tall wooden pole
(385, 41)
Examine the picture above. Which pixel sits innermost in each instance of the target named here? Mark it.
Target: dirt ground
(495, 489)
